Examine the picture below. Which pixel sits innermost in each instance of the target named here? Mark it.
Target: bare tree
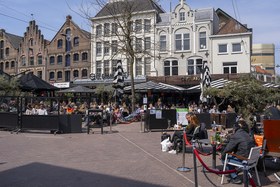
(124, 21)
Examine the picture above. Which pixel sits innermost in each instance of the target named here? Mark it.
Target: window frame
(222, 45)
(232, 47)
(203, 40)
(170, 66)
(230, 66)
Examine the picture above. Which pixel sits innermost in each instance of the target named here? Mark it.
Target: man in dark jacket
(240, 143)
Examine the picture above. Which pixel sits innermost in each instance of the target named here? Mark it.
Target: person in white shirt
(42, 110)
(28, 111)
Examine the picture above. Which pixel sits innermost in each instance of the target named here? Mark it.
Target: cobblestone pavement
(124, 157)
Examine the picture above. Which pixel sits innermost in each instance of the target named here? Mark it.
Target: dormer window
(182, 16)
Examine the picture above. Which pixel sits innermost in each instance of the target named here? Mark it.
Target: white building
(169, 44)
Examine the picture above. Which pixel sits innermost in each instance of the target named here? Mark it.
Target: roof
(229, 25)
(259, 69)
(30, 82)
(119, 7)
(69, 19)
(14, 39)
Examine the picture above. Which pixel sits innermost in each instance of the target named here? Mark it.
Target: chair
(252, 162)
(192, 137)
(271, 142)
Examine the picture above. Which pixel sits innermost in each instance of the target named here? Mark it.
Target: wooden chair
(252, 162)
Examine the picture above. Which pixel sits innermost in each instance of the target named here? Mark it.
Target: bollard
(141, 124)
(183, 168)
(194, 165)
(111, 122)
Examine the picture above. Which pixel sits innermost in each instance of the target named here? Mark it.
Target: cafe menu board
(181, 116)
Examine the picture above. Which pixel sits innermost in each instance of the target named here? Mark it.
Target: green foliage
(9, 86)
(247, 94)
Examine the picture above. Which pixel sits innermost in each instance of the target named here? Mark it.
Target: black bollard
(194, 166)
(183, 168)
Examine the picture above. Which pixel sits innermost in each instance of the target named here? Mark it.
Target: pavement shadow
(40, 174)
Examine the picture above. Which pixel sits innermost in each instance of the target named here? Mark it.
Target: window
(40, 59)
(98, 30)
(114, 47)
(7, 52)
(12, 64)
(139, 66)
(51, 76)
(114, 65)
(106, 29)
(147, 43)
(67, 76)
(84, 73)
(76, 41)
(98, 68)
(1, 49)
(31, 42)
(39, 74)
(222, 48)
(138, 26)
(236, 47)
(182, 42)
(147, 62)
(59, 75)
(138, 46)
(194, 66)
(230, 67)
(202, 40)
(170, 67)
(52, 60)
(75, 73)
(98, 49)
(76, 57)
(182, 16)
(7, 65)
(59, 59)
(23, 61)
(84, 56)
(31, 61)
(106, 48)
(114, 28)
(59, 43)
(68, 40)
(147, 25)
(106, 68)
(67, 61)
(162, 43)
(1, 65)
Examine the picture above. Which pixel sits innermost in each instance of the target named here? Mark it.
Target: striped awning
(271, 85)
(220, 83)
(155, 87)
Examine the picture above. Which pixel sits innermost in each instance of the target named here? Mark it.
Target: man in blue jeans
(240, 143)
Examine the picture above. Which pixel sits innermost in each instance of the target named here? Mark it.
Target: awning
(155, 87)
(77, 89)
(220, 83)
(271, 85)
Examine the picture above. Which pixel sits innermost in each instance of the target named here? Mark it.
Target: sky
(260, 15)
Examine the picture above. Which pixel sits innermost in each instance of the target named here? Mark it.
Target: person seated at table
(177, 137)
(28, 110)
(214, 109)
(240, 143)
(42, 110)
